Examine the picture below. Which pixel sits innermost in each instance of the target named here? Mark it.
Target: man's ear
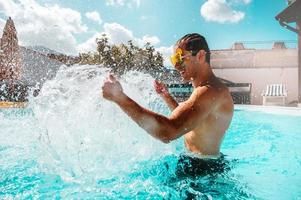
(201, 55)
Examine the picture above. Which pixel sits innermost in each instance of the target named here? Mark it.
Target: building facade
(247, 72)
(260, 67)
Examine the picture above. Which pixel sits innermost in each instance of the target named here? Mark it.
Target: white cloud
(94, 16)
(166, 52)
(119, 34)
(241, 1)
(8, 7)
(154, 40)
(116, 34)
(48, 25)
(89, 45)
(2, 24)
(221, 11)
(129, 3)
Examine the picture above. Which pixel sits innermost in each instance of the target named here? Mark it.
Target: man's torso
(206, 138)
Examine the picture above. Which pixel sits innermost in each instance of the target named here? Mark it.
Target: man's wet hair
(195, 42)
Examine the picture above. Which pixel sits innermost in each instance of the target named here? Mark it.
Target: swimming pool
(71, 143)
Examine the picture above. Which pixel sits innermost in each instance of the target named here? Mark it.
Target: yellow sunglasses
(177, 58)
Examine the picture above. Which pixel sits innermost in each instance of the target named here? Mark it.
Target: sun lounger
(275, 94)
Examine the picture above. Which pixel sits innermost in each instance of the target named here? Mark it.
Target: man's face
(182, 62)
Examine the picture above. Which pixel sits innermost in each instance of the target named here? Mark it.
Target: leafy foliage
(124, 57)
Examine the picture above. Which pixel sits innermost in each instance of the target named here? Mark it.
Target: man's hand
(160, 88)
(112, 89)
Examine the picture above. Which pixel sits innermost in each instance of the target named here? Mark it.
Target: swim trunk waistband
(195, 166)
(201, 156)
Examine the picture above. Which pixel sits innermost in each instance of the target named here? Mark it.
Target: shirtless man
(203, 119)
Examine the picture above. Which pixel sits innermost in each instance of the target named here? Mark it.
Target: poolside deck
(10, 104)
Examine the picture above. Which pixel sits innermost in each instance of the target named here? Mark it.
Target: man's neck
(203, 77)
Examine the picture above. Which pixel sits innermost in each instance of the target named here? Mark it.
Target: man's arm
(183, 119)
(162, 90)
(155, 124)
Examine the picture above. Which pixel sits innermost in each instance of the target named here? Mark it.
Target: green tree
(124, 57)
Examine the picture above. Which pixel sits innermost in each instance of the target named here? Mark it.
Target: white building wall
(260, 68)
(260, 77)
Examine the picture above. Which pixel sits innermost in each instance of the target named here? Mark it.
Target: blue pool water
(70, 143)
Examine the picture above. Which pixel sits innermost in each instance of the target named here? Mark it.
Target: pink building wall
(259, 67)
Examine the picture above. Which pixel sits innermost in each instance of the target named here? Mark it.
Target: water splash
(85, 134)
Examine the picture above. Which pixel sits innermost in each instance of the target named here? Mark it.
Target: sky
(72, 26)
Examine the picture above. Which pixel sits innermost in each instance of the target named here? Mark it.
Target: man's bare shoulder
(207, 92)
(211, 96)
(202, 97)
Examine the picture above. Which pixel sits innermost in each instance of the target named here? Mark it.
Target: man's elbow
(167, 138)
(168, 134)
